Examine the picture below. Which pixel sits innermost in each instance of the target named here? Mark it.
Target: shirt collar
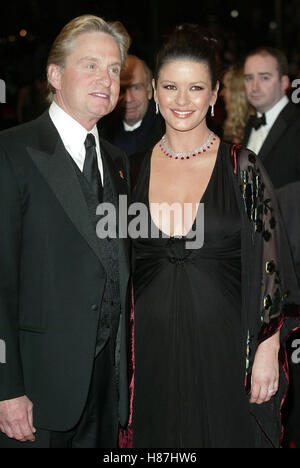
(272, 114)
(130, 128)
(72, 133)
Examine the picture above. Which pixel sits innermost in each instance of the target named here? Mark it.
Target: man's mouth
(130, 109)
(100, 95)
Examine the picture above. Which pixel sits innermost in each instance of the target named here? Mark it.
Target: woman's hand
(265, 372)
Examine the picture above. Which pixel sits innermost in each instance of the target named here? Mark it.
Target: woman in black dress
(208, 315)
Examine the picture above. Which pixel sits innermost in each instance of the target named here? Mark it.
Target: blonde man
(62, 289)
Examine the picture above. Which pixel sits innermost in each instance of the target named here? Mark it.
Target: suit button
(94, 308)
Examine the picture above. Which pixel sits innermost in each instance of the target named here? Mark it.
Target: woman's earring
(157, 108)
(213, 110)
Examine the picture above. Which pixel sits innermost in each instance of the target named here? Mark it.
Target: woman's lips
(182, 114)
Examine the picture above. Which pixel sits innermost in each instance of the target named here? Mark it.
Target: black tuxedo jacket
(280, 152)
(51, 276)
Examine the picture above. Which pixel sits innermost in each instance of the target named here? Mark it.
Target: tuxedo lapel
(287, 116)
(115, 173)
(279, 127)
(54, 164)
(117, 178)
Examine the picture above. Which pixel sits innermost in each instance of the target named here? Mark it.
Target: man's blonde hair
(63, 44)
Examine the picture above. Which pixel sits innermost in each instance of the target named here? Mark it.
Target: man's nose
(104, 78)
(255, 84)
(127, 94)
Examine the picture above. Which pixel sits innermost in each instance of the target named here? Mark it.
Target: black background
(148, 22)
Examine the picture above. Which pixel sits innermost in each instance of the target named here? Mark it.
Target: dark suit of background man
(63, 289)
(274, 134)
(134, 125)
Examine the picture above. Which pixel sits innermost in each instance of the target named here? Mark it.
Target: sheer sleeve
(279, 291)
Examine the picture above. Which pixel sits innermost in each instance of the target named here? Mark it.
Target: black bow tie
(257, 122)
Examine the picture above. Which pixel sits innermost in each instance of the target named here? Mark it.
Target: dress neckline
(162, 233)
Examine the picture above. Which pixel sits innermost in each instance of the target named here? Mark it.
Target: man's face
(264, 87)
(134, 92)
(87, 88)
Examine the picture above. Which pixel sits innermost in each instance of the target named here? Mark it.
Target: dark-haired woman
(209, 317)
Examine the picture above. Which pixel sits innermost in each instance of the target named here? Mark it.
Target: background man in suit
(62, 288)
(134, 124)
(274, 134)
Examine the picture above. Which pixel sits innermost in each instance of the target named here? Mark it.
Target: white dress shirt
(130, 128)
(73, 136)
(257, 137)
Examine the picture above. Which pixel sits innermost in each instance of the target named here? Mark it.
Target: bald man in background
(134, 125)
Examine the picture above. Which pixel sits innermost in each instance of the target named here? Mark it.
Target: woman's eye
(170, 87)
(197, 88)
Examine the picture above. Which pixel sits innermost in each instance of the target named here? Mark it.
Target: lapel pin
(121, 174)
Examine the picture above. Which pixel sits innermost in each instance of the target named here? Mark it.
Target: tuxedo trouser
(98, 425)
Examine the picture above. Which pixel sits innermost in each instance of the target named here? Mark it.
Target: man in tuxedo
(274, 135)
(134, 125)
(63, 289)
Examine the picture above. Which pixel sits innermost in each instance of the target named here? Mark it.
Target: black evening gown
(189, 357)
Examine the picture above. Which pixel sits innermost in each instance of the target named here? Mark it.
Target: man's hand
(265, 372)
(16, 419)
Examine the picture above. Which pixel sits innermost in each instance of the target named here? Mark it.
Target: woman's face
(184, 93)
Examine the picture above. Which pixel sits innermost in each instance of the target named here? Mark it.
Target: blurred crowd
(22, 67)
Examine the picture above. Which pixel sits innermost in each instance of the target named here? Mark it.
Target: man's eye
(115, 70)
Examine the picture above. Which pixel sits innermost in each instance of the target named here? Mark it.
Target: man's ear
(285, 83)
(54, 75)
(150, 92)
